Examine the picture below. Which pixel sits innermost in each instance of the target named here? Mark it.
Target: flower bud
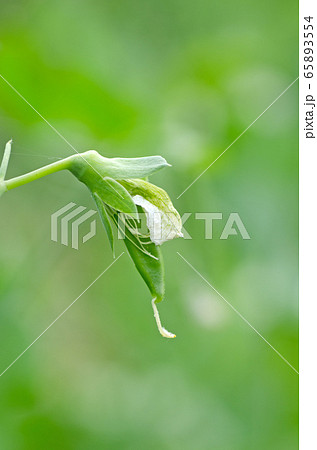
(118, 190)
(163, 221)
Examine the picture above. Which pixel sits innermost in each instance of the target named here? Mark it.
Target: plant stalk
(38, 173)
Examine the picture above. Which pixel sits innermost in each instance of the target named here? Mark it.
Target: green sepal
(116, 168)
(104, 219)
(115, 195)
(151, 268)
(122, 168)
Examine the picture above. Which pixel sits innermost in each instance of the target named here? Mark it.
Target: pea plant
(121, 192)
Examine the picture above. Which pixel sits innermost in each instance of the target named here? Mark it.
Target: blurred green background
(133, 78)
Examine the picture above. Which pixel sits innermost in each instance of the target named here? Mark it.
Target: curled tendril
(162, 330)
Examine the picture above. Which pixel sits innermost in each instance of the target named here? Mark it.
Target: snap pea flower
(121, 193)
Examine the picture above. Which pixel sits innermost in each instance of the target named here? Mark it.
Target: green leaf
(150, 268)
(121, 168)
(104, 219)
(114, 195)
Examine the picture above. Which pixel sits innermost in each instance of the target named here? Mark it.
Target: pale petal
(162, 226)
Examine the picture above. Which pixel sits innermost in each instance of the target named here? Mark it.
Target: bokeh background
(181, 79)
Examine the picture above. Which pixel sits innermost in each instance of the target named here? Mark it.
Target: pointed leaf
(104, 219)
(151, 269)
(115, 195)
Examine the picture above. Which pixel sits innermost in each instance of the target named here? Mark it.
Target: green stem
(38, 173)
(5, 160)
